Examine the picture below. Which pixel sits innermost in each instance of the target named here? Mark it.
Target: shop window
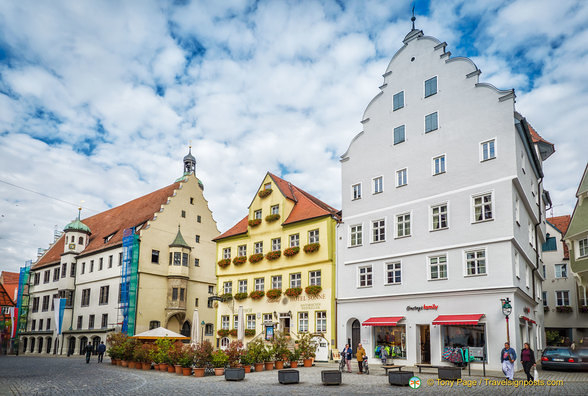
(393, 338)
(460, 336)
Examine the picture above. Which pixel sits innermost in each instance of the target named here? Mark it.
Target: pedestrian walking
(528, 360)
(384, 355)
(508, 356)
(101, 350)
(360, 355)
(89, 350)
(347, 355)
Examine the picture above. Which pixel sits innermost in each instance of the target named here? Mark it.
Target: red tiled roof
(10, 282)
(5, 298)
(561, 223)
(306, 206)
(114, 220)
(535, 136)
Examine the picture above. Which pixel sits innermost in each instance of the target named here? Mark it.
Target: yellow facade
(315, 314)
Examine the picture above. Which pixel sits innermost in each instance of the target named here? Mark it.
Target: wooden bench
(392, 367)
(426, 365)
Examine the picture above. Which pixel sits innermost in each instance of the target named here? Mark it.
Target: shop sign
(423, 307)
(311, 306)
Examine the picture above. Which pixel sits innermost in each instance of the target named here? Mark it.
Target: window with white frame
(242, 250)
(531, 233)
(378, 230)
(439, 216)
(488, 150)
(258, 247)
(313, 236)
(393, 273)
(562, 298)
(399, 134)
(582, 297)
(476, 262)
(439, 165)
(296, 280)
(257, 214)
(378, 184)
(235, 321)
(583, 247)
(267, 318)
(251, 321)
(227, 253)
(321, 321)
(225, 322)
(401, 177)
(431, 86)
(267, 186)
(356, 191)
(403, 225)
(483, 207)
(260, 284)
(276, 244)
(398, 101)
(294, 240)
(243, 286)
(517, 265)
(561, 271)
(355, 235)
(302, 322)
(314, 278)
(438, 267)
(275, 209)
(431, 122)
(365, 276)
(527, 276)
(277, 282)
(228, 287)
(544, 298)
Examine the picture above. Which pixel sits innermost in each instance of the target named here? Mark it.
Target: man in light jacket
(508, 357)
(360, 354)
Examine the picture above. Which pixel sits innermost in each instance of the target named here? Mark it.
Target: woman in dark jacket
(528, 360)
(347, 355)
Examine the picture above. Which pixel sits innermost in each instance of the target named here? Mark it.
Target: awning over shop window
(383, 321)
(458, 319)
(527, 319)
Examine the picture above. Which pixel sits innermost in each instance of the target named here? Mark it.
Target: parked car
(582, 354)
(562, 358)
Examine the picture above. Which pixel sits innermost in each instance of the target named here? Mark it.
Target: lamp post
(202, 331)
(506, 311)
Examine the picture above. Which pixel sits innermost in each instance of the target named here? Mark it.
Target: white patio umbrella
(241, 325)
(195, 327)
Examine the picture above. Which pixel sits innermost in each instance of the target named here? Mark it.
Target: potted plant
(271, 218)
(254, 222)
(224, 263)
(233, 332)
(154, 356)
(239, 260)
(115, 341)
(293, 291)
(128, 348)
(254, 258)
(264, 193)
(246, 362)
(240, 296)
(226, 297)
(163, 351)
(291, 251)
(273, 294)
(257, 294)
(311, 247)
(249, 332)
(256, 352)
(273, 255)
(313, 290)
(280, 349)
(223, 333)
(186, 360)
(564, 309)
(234, 354)
(294, 357)
(219, 361)
(268, 357)
(146, 356)
(173, 357)
(307, 349)
(202, 357)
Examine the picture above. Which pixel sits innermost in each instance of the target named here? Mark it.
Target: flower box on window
(274, 293)
(264, 193)
(240, 296)
(583, 309)
(226, 297)
(223, 332)
(311, 247)
(545, 309)
(564, 309)
(291, 251)
(257, 294)
(313, 290)
(233, 332)
(254, 222)
(271, 218)
(249, 332)
(294, 291)
(254, 258)
(273, 255)
(224, 263)
(239, 260)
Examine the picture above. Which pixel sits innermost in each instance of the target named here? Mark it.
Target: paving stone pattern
(72, 376)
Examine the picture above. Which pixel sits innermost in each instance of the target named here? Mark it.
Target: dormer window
(267, 186)
(109, 237)
(81, 241)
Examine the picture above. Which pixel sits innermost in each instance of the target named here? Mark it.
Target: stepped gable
(113, 222)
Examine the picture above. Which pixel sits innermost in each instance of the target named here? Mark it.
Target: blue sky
(99, 100)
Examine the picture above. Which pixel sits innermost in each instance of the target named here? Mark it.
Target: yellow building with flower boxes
(278, 263)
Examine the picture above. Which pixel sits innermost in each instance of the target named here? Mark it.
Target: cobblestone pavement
(72, 376)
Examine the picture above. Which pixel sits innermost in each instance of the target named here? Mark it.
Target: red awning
(383, 321)
(472, 319)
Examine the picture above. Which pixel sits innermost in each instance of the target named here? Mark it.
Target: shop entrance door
(425, 341)
(355, 335)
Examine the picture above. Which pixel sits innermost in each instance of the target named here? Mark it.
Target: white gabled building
(443, 214)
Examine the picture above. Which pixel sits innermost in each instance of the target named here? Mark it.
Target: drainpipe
(537, 257)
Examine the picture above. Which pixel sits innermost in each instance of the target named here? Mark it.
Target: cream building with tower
(147, 263)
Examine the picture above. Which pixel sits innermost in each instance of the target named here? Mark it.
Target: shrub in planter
(224, 263)
(240, 296)
(306, 348)
(256, 351)
(226, 297)
(311, 247)
(239, 260)
(141, 353)
(223, 333)
(264, 193)
(116, 341)
(271, 218)
(280, 346)
(273, 255)
(249, 332)
(128, 348)
(257, 294)
(293, 251)
(203, 354)
(254, 258)
(272, 294)
(164, 347)
(186, 359)
(313, 290)
(219, 358)
(233, 332)
(293, 291)
(564, 309)
(234, 353)
(174, 354)
(254, 222)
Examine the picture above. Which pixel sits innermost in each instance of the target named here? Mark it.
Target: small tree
(203, 354)
(187, 354)
(306, 347)
(219, 358)
(280, 346)
(235, 352)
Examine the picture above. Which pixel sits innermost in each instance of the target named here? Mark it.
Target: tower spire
(189, 162)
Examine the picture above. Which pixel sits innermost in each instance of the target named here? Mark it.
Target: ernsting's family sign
(422, 307)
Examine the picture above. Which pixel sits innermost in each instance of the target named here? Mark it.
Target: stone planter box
(331, 377)
(401, 378)
(449, 373)
(234, 374)
(288, 376)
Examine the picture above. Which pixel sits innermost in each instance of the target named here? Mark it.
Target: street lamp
(202, 332)
(506, 311)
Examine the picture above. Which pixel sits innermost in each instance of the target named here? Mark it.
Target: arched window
(224, 343)
(186, 329)
(73, 239)
(81, 241)
(40, 349)
(32, 344)
(48, 349)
